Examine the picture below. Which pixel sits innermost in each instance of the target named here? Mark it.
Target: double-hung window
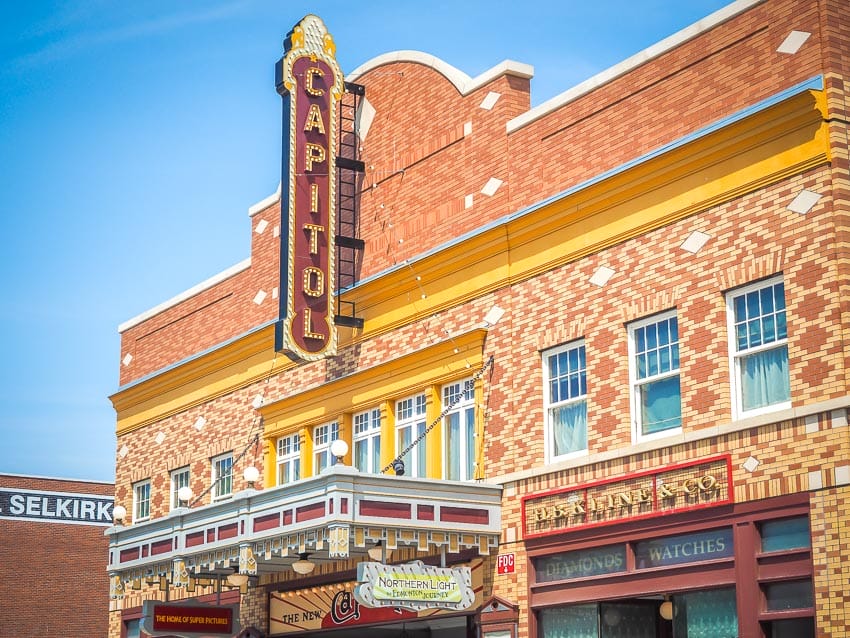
(222, 476)
(367, 441)
(565, 372)
(323, 436)
(288, 459)
(654, 376)
(459, 432)
(758, 348)
(179, 478)
(410, 424)
(142, 501)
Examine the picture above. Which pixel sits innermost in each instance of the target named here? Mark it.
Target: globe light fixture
(303, 565)
(184, 495)
(339, 449)
(119, 513)
(251, 475)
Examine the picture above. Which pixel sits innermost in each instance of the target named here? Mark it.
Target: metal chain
(470, 383)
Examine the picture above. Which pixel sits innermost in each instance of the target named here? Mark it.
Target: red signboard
(686, 486)
(311, 85)
(505, 563)
(189, 620)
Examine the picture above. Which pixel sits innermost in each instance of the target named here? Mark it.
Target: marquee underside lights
(311, 84)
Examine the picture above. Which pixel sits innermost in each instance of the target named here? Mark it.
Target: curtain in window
(569, 424)
(575, 621)
(705, 614)
(764, 378)
(660, 404)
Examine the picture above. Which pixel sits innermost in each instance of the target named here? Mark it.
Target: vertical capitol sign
(311, 84)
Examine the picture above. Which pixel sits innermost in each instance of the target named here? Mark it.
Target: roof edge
(461, 81)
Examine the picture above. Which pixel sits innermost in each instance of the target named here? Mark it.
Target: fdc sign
(505, 563)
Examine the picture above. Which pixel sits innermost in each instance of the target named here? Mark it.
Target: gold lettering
(665, 491)
(557, 511)
(624, 499)
(314, 237)
(643, 495)
(313, 153)
(577, 508)
(308, 326)
(314, 119)
(314, 198)
(708, 483)
(690, 487)
(311, 274)
(308, 85)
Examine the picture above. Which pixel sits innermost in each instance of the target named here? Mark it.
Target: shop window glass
(790, 628)
(575, 621)
(367, 441)
(654, 369)
(132, 628)
(459, 433)
(628, 620)
(580, 564)
(565, 375)
(789, 533)
(796, 594)
(759, 347)
(705, 614)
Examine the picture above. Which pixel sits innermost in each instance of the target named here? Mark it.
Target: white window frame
(576, 396)
(366, 427)
(411, 414)
(323, 436)
(735, 356)
(635, 384)
(222, 481)
(142, 501)
(463, 412)
(181, 477)
(288, 459)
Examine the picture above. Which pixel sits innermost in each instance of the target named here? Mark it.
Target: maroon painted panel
(287, 517)
(309, 512)
(129, 554)
(385, 510)
(425, 512)
(266, 522)
(343, 506)
(195, 538)
(228, 531)
(473, 516)
(161, 547)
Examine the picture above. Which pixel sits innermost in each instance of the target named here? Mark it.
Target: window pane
(574, 621)
(660, 405)
(764, 378)
(796, 594)
(790, 533)
(790, 628)
(569, 428)
(709, 614)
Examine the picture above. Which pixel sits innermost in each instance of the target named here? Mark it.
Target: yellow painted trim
(769, 146)
(367, 388)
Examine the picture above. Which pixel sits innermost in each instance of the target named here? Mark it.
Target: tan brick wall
(53, 578)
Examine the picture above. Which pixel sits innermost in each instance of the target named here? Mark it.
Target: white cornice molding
(629, 64)
(461, 81)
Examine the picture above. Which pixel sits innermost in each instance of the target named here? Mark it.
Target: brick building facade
(52, 546)
(612, 327)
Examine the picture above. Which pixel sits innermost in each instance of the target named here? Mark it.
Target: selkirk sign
(311, 84)
(695, 484)
(56, 507)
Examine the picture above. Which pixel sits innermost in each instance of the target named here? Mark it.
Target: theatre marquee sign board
(414, 586)
(677, 488)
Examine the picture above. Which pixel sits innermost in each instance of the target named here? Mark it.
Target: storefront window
(796, 594)
(705, 614)
(575, 621)
(686, 548)
(581, 564)
(790, 628)
(789, 533)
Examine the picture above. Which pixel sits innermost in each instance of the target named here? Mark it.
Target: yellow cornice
(216, 373)
(447, 360)
(764, 148)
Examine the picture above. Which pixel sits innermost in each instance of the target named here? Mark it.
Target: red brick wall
(53, 579)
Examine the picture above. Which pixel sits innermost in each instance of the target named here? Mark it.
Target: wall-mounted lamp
(184, 495)
(119, 513)
(376, 552)
(666, 609)
(303, 565)
(339, 449)
(258, 401)
(252, 475)
(398, 467)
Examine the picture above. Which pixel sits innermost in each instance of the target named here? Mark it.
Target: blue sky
(135, 135)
